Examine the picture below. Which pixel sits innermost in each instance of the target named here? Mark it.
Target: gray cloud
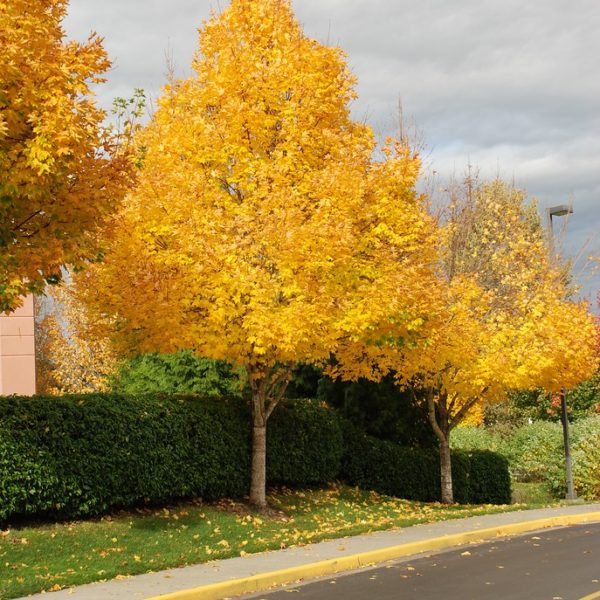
(509, 86)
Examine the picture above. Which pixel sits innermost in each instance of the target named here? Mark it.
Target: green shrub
(535, 452)
(489, 478)
(586, 458)
(84, 455)
(90, 453)
(178, 373)
(531, 493)
(28, 482)
(475, 438)
(304, 444)
(381, 409)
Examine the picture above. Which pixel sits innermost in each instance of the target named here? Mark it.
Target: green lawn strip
(52, 556)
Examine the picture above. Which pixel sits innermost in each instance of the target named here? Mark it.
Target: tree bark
(446, 472)
(442, 431)
(258, 478)
(267, 391)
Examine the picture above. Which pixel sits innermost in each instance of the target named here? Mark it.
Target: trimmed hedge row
(95, 452)
(84, 455)
(478, 477)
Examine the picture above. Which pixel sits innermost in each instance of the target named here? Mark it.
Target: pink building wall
(17, 351)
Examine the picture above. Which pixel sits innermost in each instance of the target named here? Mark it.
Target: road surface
(558, 564)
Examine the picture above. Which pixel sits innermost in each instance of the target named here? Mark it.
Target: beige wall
(17, 351)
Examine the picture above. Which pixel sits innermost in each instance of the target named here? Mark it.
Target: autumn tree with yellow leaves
(61, 171)
(262, 231)
(508, 323)
(503, 318)
(70, 358)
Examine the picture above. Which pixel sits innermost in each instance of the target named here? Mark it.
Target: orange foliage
(62, 171)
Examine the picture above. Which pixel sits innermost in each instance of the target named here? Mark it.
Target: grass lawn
(52, 556)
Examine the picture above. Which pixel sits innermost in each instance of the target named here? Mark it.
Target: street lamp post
(561, 211)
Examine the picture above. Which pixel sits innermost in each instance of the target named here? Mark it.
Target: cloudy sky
(510, 87)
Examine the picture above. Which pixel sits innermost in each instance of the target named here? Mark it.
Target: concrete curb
(264, 581)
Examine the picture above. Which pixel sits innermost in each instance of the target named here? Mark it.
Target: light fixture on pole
(561, 211)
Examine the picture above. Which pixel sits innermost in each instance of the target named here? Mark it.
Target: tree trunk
(446, 472)
(441, 426)
(258, 481)
(267, 391)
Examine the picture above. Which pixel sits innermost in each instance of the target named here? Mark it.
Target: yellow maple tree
(509, 321)
(503, 317)
(262, 230)
(70, 357)
(61, 170)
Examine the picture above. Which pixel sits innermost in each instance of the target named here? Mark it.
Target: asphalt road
(558, 564)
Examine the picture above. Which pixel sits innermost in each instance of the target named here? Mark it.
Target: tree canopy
(61, 170)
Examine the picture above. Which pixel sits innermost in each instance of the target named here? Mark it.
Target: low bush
(86, 454)
(476, 438)
(586, 458)
(534, 451)
(489, 478)
(304, 444)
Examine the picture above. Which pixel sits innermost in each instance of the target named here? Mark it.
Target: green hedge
(478, 476)
(304, 444)
(489, 478)
(84, 455)
(96, 452)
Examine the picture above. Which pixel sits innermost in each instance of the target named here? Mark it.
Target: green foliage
(586, 458)
(178, 373)
(27, 479)
(489, 478)
(381, 409)
(81, 455)
(305, 382)
(531, 493)
(476, 438)
(413, 473)
(522, 407)
(535, 452)
(584, 400)
(304, 444)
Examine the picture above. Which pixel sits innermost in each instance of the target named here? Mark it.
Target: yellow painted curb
(591, 596)
(264, 581)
